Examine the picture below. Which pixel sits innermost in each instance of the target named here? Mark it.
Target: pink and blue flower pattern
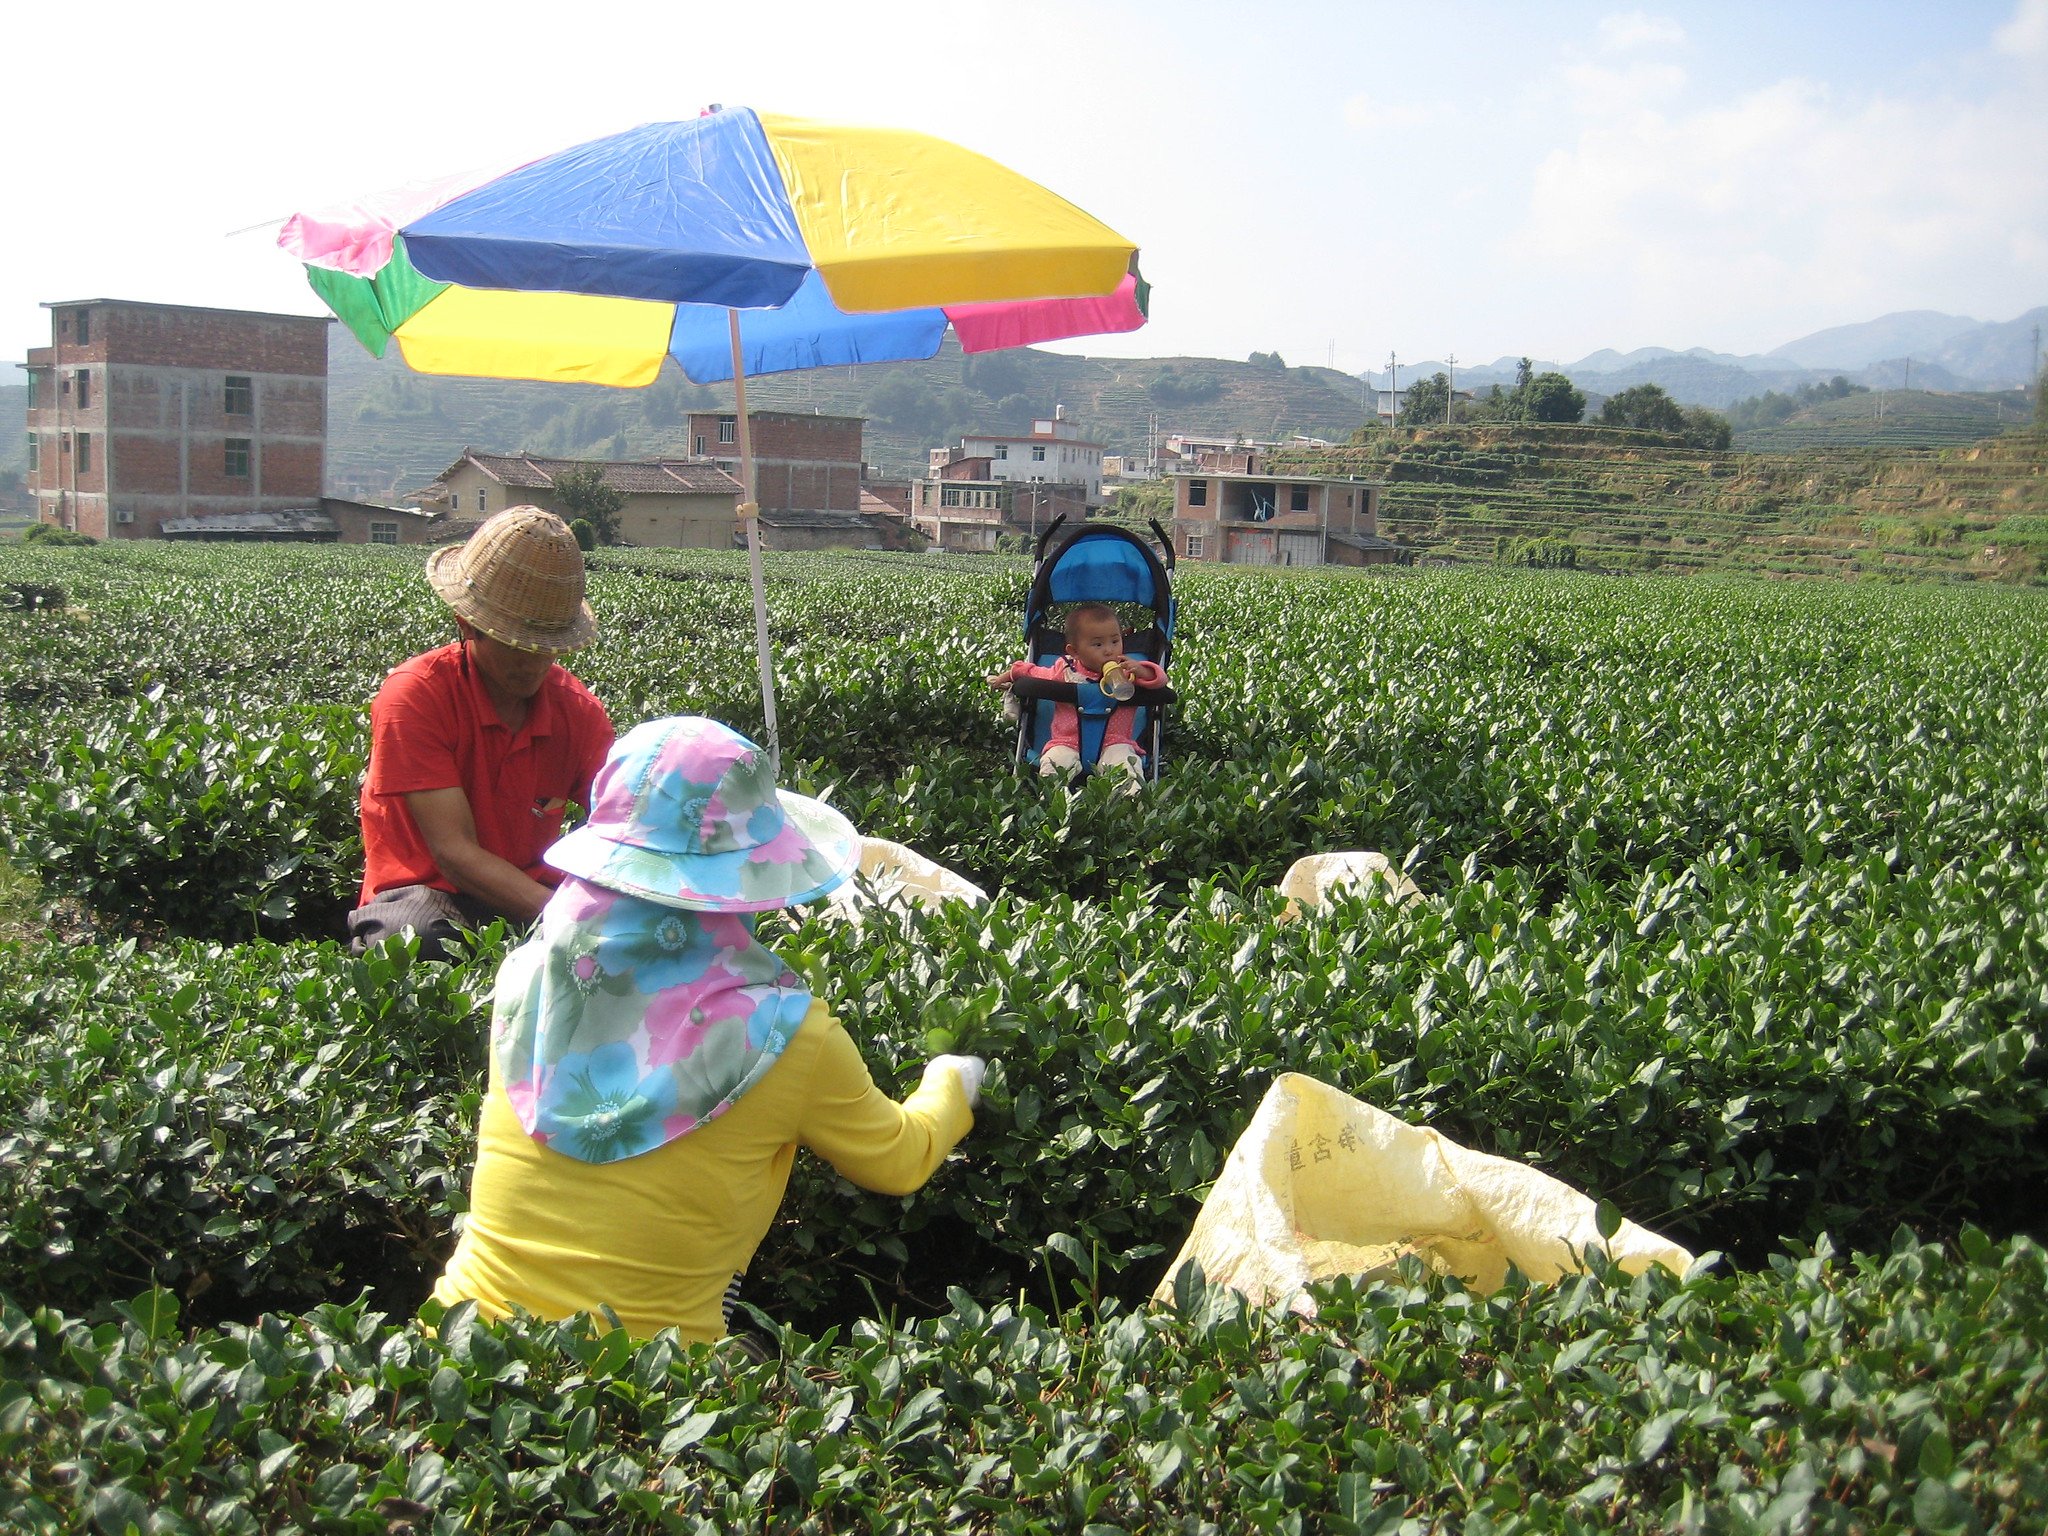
(685, 812)
(623, 1024)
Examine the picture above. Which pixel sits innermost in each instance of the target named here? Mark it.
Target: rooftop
(190, 309)
(295, 521)
(674, 477)
(1269, 478)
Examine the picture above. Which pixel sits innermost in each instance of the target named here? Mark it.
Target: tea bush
(205, 822)
(256, 1127)
(1727, 1060)
(1901, 1392)
(1735, 912)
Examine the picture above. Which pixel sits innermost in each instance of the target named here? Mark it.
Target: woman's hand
(970, 1069)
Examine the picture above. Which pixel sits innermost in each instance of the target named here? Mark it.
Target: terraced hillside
(1638, 501)
(391, 430)
(1912, 418)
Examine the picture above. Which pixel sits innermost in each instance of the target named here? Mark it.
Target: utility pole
(1393, 390)
(1451, 386)
(1908, 384)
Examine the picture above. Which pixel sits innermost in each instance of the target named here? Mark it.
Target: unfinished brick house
(808, 472)
(1232, 510)
(145, 414)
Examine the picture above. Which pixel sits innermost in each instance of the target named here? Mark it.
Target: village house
(144, 416)
(964, 507)
(988, 485)
(1233, 510)
(1054, 451)
(809, 473)
(328, 520)
(669, 503)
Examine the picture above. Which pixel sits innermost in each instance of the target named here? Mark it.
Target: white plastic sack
(1322, 1185)
(1311, 880)
(892, 873)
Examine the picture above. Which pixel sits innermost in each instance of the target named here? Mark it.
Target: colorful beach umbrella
(735, 243)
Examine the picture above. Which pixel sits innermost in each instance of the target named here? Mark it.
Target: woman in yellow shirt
(654, 1069)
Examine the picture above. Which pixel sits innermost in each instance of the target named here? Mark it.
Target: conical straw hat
(518, 579)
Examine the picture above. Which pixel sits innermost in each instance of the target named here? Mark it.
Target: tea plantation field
(1735, 913)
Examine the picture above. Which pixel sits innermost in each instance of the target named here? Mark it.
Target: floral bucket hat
(685, 812)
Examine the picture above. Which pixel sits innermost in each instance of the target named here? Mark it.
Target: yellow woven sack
(1322, 1185)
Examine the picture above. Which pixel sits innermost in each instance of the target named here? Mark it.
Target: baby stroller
(1095, 562)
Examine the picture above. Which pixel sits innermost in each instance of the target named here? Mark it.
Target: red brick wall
(894, 492)
(292, 470)
(231, 342)
(148, 464)
(801, 463)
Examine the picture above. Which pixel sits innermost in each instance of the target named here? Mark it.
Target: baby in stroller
(1090, 691)
(1095, 654)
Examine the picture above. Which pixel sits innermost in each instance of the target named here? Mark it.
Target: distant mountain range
(1914, 348)
(390, 431)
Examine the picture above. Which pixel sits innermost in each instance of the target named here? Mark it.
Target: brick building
(143, 414)
(1232, 509)
(802, 463)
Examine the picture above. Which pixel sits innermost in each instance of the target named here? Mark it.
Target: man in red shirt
(477, 748)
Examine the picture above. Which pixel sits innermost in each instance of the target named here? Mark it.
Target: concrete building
(144, 414)
(963, 506)
(669, 503)
(1246, 515)
(1054, 451)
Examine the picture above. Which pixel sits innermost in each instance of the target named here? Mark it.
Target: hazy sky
(1329, 180)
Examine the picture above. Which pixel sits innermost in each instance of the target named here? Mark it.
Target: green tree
(1153, 499)
(1551, 397)
(1705, 429)
(1426, 402)
(1270, 360)
(996, 374)
(582, 493)
(1645, 406)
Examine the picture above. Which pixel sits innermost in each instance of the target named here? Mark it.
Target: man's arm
(448, 827)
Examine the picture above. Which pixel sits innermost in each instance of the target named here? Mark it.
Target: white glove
(971, 1069)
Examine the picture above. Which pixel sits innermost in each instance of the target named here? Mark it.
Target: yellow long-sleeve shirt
(658, 1237)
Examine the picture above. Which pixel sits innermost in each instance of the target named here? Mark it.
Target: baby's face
(1097, 641)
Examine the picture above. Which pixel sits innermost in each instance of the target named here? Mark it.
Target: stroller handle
(1045, 538)
(1165, 544)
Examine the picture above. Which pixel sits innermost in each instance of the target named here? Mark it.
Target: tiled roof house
(670, 503)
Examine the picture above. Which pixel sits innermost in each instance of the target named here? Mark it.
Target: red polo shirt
(433, 726)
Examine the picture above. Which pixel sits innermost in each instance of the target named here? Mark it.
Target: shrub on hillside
(1179, 388)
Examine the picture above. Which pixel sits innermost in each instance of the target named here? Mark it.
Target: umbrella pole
(750, 516)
